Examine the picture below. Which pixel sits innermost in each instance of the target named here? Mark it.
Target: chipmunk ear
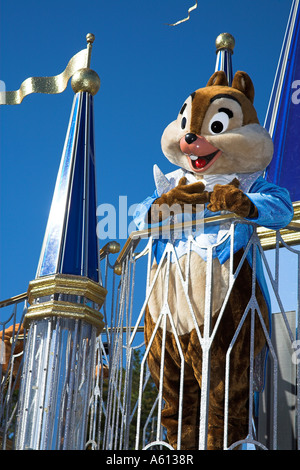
(242, 82)
(219, 78)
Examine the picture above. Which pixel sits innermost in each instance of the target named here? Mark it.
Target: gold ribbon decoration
(188, 17)
(49, 85)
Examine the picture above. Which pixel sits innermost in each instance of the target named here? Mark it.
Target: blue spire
(70, 244)
(225, 44)
(283, 115)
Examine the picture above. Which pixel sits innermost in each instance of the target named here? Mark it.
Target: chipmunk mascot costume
(221, 151)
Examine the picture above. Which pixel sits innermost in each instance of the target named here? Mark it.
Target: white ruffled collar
(166, 182)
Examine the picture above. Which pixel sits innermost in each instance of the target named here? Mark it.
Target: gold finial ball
(225, 41)
(114, 247)
(90, 38)
(118, 269)
(85, 80)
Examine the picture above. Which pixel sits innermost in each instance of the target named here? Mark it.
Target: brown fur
(203, 98)
(230, 197)
(180, 196)
(246, 146)
(185, 194)
(239, 370)
(241, 146)
(224, 197)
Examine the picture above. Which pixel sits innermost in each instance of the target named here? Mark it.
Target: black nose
(190, 138)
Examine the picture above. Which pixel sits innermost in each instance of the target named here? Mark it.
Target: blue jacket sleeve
(274, 205)
(139, 215)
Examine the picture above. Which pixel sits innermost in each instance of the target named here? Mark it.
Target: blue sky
(146, 68)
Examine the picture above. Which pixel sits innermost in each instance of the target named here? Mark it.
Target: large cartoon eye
(183, 113)
(219, 123)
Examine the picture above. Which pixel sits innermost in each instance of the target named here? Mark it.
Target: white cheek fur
(248, 149)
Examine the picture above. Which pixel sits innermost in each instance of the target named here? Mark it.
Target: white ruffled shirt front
(200, 241)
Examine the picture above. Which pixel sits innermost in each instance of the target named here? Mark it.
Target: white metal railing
(126, 408)
(131, 420)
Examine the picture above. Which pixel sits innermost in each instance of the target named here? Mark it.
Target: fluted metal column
(63, 319)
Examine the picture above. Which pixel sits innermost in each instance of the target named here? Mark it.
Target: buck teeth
(193, 157)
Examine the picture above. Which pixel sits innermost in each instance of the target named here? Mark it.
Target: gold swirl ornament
(188, 17)
(57, 83)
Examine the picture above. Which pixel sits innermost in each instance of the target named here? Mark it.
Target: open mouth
(203, 162)
(200, 153)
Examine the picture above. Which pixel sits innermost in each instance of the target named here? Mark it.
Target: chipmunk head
(217, 130)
